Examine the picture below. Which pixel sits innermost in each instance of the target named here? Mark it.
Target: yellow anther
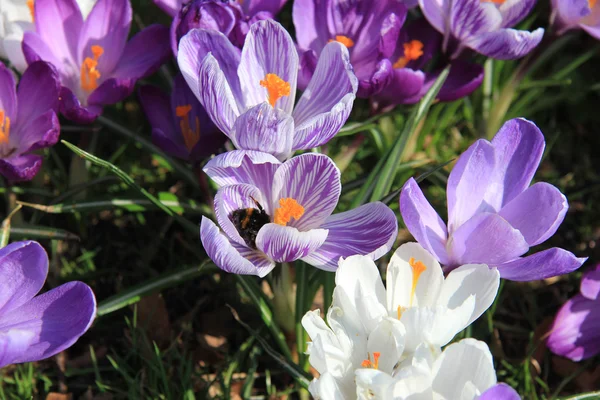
(372, 364)
(288, 209)
(412, 51)
(89, 73)
(345, 40)
(31, 4)
(276, 87)
(4, 127)
(190, 136)
(417, 269)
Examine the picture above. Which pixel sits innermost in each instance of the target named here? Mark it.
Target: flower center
(417, 269)
(288, 209)
(276, 87)
(345, 40)
(412, 51)
(30, 4)
(190, 137)
(372, 364)
(4, 127)
(89, 73)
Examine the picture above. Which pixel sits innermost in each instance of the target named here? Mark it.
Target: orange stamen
(89, 73)
(499, 2)
(417, 269)
(276, 87)
(288, 209)
(412, 51)
(592, 3)
(400, 310)
(190, 136)
(345, 40)
(372, 364)
(30, 4)
(4, 127)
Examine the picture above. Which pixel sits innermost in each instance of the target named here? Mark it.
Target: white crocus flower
(369, 327)
(16, 18)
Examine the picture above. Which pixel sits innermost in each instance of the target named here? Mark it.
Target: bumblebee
(248, 221)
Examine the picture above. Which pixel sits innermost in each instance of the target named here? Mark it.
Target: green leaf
(5, 228)
(584, 396)
(28, 231)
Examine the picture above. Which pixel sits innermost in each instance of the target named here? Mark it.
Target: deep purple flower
(251, 96)
(180, 126)
(494, 216)
(573, 14)
(483, 26)
(575, 333)
(280, 212)
(36, 327)
(28, 119)
(96, 64)
(249, 7)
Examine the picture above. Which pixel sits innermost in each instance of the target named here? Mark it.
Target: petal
(170, 143)
(405, 87)
(35, 49)
(144, 53)
(470, 280)
(231, 198)
(537, 212)
(376, 78)
(466, 184)
(313, 180)
(541, 265)
(519, 146)
(326, 387)
(500, 391)
(21, 168)
(422, 221)
(437, 13)
(590, 283)
(468, 362)
(310, 21)
(264, 128)
(469, 18)
(208, 62)
(157, 107)
(268, 49)
(39, 133)
(368, 230)
(73, 110)
(463, 79)
(107, 26)
(272, 7)
(111, 91)
(514, 11)
(59, 24)
(506, 44)
(308, 64)
(38, 91)
(57, 319)
(387, 338)
(227, 257)
(8, 94)
(171, 7)
(286, 243)
(327, 101)
(23, 270)
(571, 12)
(400, 279)
(487, 239)
(575, 333)
(13, 344)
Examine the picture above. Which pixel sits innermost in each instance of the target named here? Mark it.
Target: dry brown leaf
(59, 396)
(153, 317)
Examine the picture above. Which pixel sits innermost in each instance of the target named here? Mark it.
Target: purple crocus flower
(36, 327)
(483, 26)
(28, 119)
(96, 64)
(280, 212)
(575, 333)
(251, 96)
(500, 391)
(494, 216)
(573, 14)
(249, 7)
(369, 29)
(180, 126)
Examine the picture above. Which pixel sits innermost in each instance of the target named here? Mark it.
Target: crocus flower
(575, 333)
(180, 126)
(483, 26)
(419, 312)
(369, 29)
(274, 212)
(251, 96)
(28, 119)
(574, 14)
(16, 17)
(249, 7)
(36, 327)
(494, 216)
(96, 64)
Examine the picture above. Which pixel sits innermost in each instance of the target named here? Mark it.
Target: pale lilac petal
(313, 180)
(369, 230)
(107, 26)
(286, 243)
(21, 168)
(422, 221)
(537, 212)
(227, 257)
(327, 101)
(171, 7)
(13, 343)
(436, 12)
(38, 133)
(486, 238)
(57, 319)
(541, 265)
(38, 91)
(23, 270)
(590, 284)
(506, 44)
(467, 183)
(576, 330)
(264, 128)
(514, 11)
(35, 49)
(500, 391)
(8, 94)
(59, 24)
(594, 31)
(470, 18)
(144, 53)
(571, 12)
(268, 49)
(231, 198)
(310, 21)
